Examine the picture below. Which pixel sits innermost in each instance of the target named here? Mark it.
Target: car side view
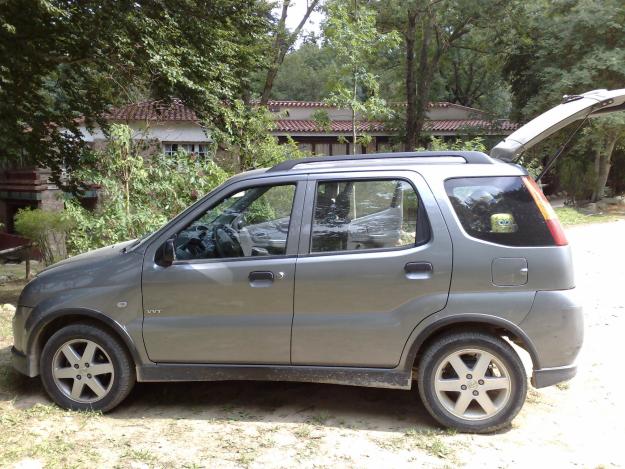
(380, 270)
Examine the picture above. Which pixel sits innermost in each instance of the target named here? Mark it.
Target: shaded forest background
(65, 63)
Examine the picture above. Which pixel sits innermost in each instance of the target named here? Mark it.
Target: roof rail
(471, 157)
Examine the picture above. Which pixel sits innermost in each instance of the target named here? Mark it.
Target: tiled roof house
(174, 126)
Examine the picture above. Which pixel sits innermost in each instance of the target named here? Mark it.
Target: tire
(493, 386)
(84, 367)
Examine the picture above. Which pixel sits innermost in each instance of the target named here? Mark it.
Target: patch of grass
(140, 455)
(563, 386)
(570, 216)
(431, 441)
(319, 419)
(534, 396)
(10, 291)
(302, 431)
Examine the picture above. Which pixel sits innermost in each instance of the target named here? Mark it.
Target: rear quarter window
(498, 209)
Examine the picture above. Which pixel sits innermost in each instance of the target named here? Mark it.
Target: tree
(351, 34)
(470, 74)
(567, 48)
(305, 73)
(430, 28)
(249, 137)
(64, 62)
(283, 41)
(138, 191)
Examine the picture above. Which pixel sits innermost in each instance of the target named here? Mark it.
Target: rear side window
(498, 209)
(366, 214)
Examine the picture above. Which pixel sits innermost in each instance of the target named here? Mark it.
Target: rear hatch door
(573, 108)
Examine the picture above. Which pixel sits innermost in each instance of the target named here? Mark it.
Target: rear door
(375, 259)
(573, 108)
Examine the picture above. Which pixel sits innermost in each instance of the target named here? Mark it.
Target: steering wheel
(227, 241)
(193, 248)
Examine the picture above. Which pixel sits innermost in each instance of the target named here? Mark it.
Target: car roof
(451, 163)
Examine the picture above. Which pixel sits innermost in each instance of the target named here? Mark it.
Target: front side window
(253, 222)
(364, 214)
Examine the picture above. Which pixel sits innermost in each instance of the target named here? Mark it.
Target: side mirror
(167, 254)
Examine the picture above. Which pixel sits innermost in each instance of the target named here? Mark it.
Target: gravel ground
(246, 424)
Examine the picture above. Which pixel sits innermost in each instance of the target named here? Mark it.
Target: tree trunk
(411, 86)
(284, 40)
(602, 167)
(424, 80)
(355, 93)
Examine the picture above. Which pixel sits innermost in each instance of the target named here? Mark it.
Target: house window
(198, 149)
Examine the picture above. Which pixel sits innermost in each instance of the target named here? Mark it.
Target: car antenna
(551, 161)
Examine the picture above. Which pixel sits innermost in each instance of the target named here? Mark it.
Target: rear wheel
(84, 367)
(472, 381)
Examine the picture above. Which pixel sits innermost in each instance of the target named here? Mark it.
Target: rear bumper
(549, 376)
(555, 325)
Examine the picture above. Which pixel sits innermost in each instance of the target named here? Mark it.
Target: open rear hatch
(573, 108)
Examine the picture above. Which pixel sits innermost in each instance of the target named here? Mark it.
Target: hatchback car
(372, 270)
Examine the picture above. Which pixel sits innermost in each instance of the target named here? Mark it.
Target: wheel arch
(477, 322)
(44, 327)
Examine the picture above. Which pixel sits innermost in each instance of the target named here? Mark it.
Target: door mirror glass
(166, 254)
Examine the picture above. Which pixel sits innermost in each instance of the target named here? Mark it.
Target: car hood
(106, 252)
(573, 108)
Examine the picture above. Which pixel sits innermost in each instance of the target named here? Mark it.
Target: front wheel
(84, 367)
(472, 382)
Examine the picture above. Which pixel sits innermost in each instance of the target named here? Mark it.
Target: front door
(228, 296)
(375, 259)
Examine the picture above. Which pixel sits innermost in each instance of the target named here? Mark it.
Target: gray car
(371, 270)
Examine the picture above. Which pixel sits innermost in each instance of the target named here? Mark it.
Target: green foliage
(138, 193)
(64, 60)
(458, 144)
(569, 216)
(577, 178)
(305, 73)
(47, 230)
(570, 47)
(248, 136)
(352, 37)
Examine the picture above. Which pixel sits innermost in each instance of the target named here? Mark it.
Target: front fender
(36, 327)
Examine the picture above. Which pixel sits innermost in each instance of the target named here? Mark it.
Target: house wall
(183, 132)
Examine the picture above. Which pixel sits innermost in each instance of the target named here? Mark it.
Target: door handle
(261, 276)
(418, 270)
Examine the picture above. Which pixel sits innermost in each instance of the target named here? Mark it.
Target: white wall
(163, 131)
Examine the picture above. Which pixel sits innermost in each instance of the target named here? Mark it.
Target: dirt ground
(247, 424)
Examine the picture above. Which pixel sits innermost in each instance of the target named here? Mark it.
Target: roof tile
(311, 126)
(177, 111)
(153, 111)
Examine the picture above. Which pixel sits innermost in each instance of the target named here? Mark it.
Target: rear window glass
(498, 209)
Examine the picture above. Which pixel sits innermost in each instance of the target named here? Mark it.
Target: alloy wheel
(83, 371)
(472, 384)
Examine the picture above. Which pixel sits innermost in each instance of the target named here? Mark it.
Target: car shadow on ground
(253, 401)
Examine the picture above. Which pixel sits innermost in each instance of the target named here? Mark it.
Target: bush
(473, 144)
(137, 195)
(47, 230)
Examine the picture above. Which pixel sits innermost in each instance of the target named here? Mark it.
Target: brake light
(551, 219)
